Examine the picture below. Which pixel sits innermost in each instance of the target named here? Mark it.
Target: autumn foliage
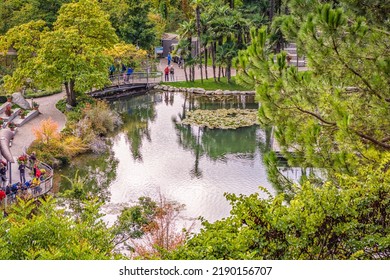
(46, 131)
(162, 234)
(50, 144)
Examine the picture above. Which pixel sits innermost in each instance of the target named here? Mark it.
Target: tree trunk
(213, 54)
(190, 57)
(185, 72)
(70, 94)
(199, 53)
(205, 62)
(271, 10)
(228, 70)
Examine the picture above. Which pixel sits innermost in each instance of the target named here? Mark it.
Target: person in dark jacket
(22, 169)
(33, 159)
(3, 174)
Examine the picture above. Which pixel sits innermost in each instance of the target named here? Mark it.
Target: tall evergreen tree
(335, 115)
(135, 27)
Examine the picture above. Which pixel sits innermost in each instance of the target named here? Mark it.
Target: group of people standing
(125, 71)
(169, 73)
(11, 190)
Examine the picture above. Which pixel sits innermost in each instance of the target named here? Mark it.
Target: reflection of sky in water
(168, 167)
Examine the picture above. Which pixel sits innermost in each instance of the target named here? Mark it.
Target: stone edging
(202, 90)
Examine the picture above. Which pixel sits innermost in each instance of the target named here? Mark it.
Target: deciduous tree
(73, 53)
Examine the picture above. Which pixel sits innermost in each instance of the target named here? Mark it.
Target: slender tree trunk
(199, 54)
(191, 67)
(185, 72)
(239, 41)
(228, 70)
(271, 10)
(205, 62)
(219, 73)
(213, 54)
(72, 93)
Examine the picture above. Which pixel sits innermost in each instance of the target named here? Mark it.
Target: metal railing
(136, 78)
(33, 192)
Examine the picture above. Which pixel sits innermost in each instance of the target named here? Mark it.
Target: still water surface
(153, 153)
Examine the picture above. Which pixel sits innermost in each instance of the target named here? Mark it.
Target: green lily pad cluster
(222, 118)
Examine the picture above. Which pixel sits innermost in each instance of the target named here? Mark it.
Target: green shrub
(3, 99)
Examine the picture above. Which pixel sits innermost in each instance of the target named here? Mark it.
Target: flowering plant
(23, 113)
(8, 110)
(11, 125)
(22, 159)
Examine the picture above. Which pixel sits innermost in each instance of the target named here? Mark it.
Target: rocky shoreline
(202, 90)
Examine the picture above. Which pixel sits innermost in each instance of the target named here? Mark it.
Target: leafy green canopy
(347, 219)
(33, 232)
(131, 22)
(16, 12)
(73, 53)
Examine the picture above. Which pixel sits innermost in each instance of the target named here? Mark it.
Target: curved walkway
(25, 136)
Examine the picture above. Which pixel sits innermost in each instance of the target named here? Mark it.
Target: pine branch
(353, 70)
(373, 140)
(316, 116)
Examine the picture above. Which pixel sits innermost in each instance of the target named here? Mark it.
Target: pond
(154, 154)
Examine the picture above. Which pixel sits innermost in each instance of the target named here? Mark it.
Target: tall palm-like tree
(186, 32)
(183, 46)
(217, 31)
(198, 5)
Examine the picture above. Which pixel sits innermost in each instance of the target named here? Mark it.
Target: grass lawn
(41, 93)
(210, 84)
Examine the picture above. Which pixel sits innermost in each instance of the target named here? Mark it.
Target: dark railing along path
(44, 187)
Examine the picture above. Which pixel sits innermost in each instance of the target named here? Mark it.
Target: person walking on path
(180, 62)
(169, 59)
(166, 72)
(172, 73)
(128, 73)
(22, 169)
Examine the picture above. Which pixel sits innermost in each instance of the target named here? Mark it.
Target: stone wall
(201, 90)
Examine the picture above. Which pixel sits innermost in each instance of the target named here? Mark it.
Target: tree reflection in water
(137, 113)
(216, 144)
(99, 171)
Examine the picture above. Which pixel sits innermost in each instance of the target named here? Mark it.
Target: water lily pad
(222, 118)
